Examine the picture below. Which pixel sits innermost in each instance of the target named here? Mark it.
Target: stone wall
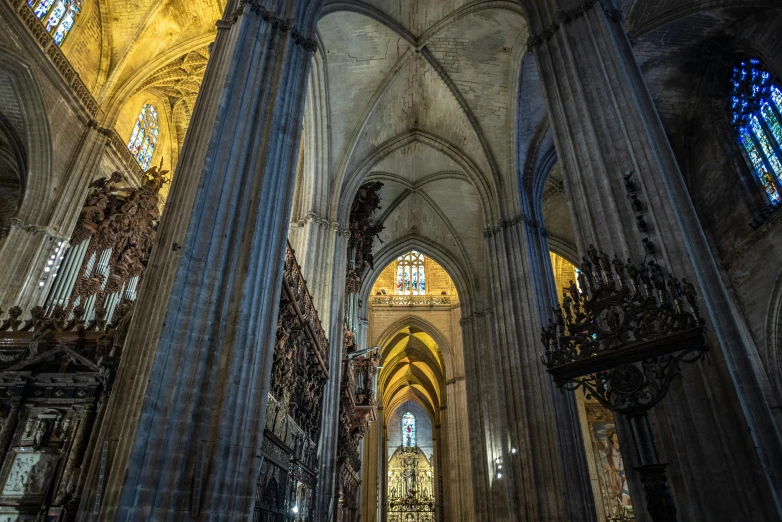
(687, 64)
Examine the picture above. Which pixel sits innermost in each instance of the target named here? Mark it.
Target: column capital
(521, 217)
(286, 25)
(312, 217)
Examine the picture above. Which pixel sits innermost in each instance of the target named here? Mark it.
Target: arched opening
(12, 169)
(421, 443)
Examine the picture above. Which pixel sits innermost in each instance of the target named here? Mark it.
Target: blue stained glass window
(55, 16)
(759, 166)
(59, 17)
(755, 105)
(408, 430)
(42, 9)
(143, 140)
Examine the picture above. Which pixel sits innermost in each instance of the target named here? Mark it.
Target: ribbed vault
(420, 96)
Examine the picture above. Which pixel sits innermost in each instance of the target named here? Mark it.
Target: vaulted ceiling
(421, 97)
(412, 370)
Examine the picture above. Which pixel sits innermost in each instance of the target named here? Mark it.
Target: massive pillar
(547, 473)
(718, 428)
(183, 431)
(37, 236)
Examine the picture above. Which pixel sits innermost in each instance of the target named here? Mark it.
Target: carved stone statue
(594, 257)
(574, 294)
(41, 430)
(605, 262)
(567, 304)
(689, 293)
(558, 317)
(29, 428)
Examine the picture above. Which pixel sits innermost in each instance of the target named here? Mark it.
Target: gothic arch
(446, 350)
(119, 94)
(354, 179)
(36, 181)
(465, 279)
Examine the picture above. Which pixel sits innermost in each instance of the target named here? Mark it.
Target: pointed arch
(36, 180)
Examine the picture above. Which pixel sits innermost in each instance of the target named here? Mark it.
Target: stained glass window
(58, 16)
(410, 274)
(143, 141)
(756, 113)
(408, 429)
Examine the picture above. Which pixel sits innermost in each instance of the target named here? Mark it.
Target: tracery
(410, 274)
(408, 430)
(143, 141)
(58, 17)
(756, 112)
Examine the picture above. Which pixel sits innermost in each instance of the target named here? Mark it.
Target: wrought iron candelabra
(622, 333)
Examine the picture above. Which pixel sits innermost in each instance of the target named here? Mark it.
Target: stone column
(492, 497)
(457, 470)
(717, 426)
(321, 249)
(370, 473)
(186, 416)
(34, 237)
(548, 473)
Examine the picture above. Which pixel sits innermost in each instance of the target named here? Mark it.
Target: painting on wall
(610, 464)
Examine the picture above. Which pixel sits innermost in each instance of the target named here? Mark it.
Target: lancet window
(410, 274)
(408, 430)
(756, 113)
(143, 141)
(58, 16)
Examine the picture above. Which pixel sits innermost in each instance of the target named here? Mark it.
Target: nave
(373, 261)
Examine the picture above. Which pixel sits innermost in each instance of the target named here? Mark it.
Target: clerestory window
(756, 112)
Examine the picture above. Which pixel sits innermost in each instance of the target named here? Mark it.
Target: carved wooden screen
(285, 490)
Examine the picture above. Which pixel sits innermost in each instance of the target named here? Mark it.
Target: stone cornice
(322, 222)
(521, 217)
(29, 227)
(286, 25)
(565, 17)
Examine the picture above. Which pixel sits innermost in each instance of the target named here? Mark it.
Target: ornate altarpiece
(55, 379)
(411, 494)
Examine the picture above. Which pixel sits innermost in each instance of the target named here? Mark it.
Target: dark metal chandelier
(621, 334)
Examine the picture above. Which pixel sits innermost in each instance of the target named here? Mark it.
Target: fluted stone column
(35, 235)
(548, 476)
(456, 466)
(370, 473)
(321, 249)
(185, 422)
(718, 427)
(488, 430)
